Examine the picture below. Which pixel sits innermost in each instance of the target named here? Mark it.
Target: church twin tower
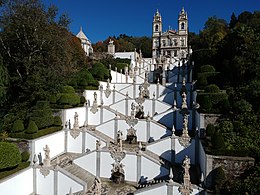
(171, 43)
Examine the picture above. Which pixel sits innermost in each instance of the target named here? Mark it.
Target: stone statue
(120, 139)
(186, 188)
(98, 144)
(76, 119)
(47, 159)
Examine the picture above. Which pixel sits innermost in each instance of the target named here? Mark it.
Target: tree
(4, 81)
(37, 49)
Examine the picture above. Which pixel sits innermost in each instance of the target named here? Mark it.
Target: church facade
(172, 43)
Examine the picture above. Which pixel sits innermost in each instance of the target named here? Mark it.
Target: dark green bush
(226, 127)
(99, 71)
(82, 99)
(25, 156)
(205, 103)
(207, 68)
(69, 98)
(42, 114)
(10, 155)
(40, 133)
(53, 99)
(212, 89)
(217, 141)
(18, 126)
(210, 130)
(67, 89)
(32, 128)
(57, 121)
(219, 178)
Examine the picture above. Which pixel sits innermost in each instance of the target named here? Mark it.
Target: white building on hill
(85, 42)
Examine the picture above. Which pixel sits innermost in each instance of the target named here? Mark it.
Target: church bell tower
(157, 31)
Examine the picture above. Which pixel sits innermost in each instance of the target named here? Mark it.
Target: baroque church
(132, 136)
(172, 43)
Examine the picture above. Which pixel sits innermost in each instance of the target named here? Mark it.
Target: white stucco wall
(18, 184)
(65, 183)
(87, 162)
(45, 185)
(161, 148)
(107, 128)
(55, 141)
(69, 115)
(130, 167)
(157, 130)
(181, 152)
(75, 145)
(151, 170)
(106, 162)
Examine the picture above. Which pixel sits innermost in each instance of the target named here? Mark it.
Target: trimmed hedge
(21, 166)
(9, 155)
(99, 71)
(207, 68)
(57, 121)
(67, 89)
(82, 99)
(42, 114)
(32, 128)
(18, 126)
(40, 133)
(69, 98)
(210, 130)
(212, 89)
(25, 156)
(217, 141)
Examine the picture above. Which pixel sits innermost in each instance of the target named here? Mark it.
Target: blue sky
(103, 18)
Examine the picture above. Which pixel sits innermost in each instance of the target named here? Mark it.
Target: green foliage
(42, 115)
(217, 141)
(226, 127)
(242, 106)
(83, 79)
(53, 99)
(219, 178)
(127, 43)
(32, 128)
(121, 66)
(57, 121)
(21, 166)
(25, 156)
(68, 97)
(38, 51)
(210, 130)
(18, 126)
(212, 89)
(4, 81)
(99, 71)
(207, 68)
(67, 89)
(82, 99)
(40, 133)
(10, 155)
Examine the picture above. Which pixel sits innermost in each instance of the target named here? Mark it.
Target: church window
(156, 27)
(175, 42)
(182, 26)
(163, 42)
(182, 42)
(175, 53)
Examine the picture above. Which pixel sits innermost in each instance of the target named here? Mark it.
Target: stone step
(80, 173)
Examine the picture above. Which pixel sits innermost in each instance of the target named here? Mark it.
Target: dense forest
(43, 68)
(127, 43)
(227, 70)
